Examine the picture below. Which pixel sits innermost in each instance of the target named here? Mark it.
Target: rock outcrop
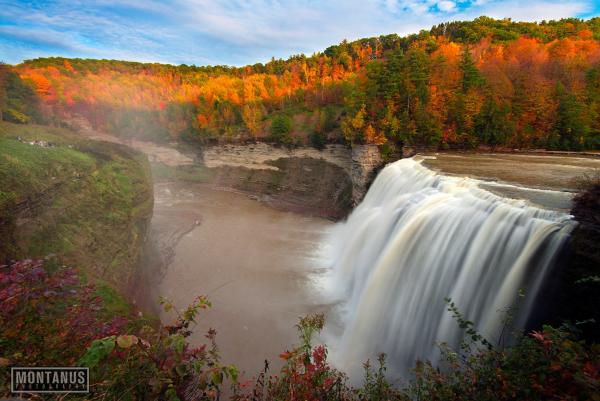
(299, 184)
(259, 155)
(366, 162)
(324, 182)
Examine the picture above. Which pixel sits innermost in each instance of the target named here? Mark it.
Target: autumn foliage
(486, 82)
(48, 317)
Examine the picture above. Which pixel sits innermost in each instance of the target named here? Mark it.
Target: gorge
(374, 274)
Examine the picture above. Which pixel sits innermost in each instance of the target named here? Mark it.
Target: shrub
(318, 140)
(549, 364)
(48, 318)
(158, 364)
(546, 364)
(281, 128)
(306, 375)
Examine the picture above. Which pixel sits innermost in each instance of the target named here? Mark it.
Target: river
(549, 181)
(255, 264)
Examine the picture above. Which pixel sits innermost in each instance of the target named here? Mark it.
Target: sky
(235, 32)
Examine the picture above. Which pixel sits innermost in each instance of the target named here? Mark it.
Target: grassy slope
(85, 201)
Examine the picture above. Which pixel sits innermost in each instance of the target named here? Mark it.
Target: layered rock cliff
(326, 182)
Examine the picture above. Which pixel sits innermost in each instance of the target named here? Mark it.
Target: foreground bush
(545, 365)
(158, 364)
(550, 364)
(306, 374)
(49, 318)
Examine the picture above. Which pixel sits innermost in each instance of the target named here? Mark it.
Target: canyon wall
(326, 182)
(366, 162)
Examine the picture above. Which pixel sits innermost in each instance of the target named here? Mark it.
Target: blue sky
(234, 32)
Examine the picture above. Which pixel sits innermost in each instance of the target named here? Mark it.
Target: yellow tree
(252, 115)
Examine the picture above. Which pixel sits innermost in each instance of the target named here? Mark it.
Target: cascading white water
(419, 237)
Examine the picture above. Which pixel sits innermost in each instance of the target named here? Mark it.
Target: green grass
(87, 202)
(28, 169)
(114, 303)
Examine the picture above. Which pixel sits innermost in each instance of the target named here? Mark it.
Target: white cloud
(534, 10)
(446, 5)
(237, 31)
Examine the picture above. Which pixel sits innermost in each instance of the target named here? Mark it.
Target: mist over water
(419, 237)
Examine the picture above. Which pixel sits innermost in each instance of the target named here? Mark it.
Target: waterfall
(419, 237)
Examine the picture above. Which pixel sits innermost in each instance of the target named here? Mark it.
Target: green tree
(471, 77)
(428, 131)
(281, 128)
(391, 123)
(593, 100)
(572, 125)
(18, 101)
(491, 124)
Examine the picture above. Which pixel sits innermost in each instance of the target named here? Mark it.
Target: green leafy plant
(281, 128)
(159, 364)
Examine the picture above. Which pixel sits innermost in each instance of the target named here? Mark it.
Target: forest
(485, 83)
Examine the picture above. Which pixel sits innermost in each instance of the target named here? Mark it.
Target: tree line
(486, 82)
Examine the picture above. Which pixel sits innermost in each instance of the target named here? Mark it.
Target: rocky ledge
(326, 182)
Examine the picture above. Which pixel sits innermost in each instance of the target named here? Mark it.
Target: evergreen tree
(491, 124)
(427, 129)
(471, 77)
(593, 99)
(281, 128)
(418, 67)
(572, 122)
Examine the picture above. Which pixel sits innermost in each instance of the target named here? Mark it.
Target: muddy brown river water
(254, 263)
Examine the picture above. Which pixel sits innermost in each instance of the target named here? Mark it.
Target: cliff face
(89, 203)
(366, 161)
(326, 182)
(580, 280)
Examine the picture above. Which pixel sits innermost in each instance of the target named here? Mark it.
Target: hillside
(88, 203)
(485, 82)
